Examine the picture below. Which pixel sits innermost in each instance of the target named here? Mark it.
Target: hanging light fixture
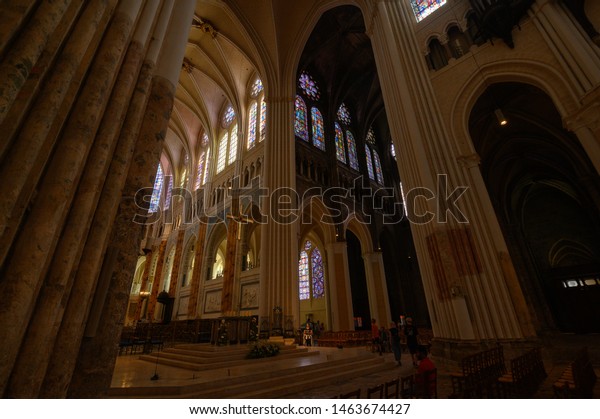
(501, 118)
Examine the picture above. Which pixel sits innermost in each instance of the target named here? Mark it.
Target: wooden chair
(392, 389)
(355, 394)
(375, 392)
(407, 387)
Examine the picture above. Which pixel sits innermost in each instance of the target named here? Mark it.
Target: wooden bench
(479, 374)
(527, 372)
(578, 379)
(347, 338)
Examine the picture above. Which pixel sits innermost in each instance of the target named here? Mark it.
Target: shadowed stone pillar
(339, 286)
(25, 161)
(230, 264)
(176, 263)
(12, 17)
(377, 287)
(196, 275)
(15, 68)
(156, 281)
(99, 348)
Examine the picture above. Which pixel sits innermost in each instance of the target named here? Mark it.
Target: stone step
(291, 381)
(213, 356)
(198, 364)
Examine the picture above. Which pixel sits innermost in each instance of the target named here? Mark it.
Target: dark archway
(358, 282)
(546, 194)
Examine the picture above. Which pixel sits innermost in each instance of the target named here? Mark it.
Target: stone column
(340, 292)
(197, 274)
(377, 287)
(17, 65)
(58, 376)
(426, 160)
(25, 161)
(100, 348)
(34, 247)
(176, 263)
(578, 56)
(12, 17)
(585, 123)
(156, 281)
(229, 270)
(144, 284)
(279, 244)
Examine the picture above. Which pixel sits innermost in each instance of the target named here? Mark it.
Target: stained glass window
(371, 137)
(222, 156)
(184, 173)
(169, 193)
(200, 172)
(228, 116)
(252, 125)
(339, 144)
(233, 140)
(301, 119)
(303, 281)
(352, 157)
(206, 167)
(423, 8)
(204, 140)
(393, 150)
(369, 162)
(318, 280)
(263, 119)
(343, 114)
(309, 86)
(157, 191)
(257, 87)
(311, 272)
(378, 171)
(318, 132)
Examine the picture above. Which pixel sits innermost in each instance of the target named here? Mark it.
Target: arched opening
(543, 188)
(358, 283)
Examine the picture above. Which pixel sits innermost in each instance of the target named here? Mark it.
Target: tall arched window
(157, 191)
(340, 151)
(378, 171)
(200, 171)
(256, 115)
(206, 167)
(233, 140)
(352, 157)
(222, 156)
(318, 130)
(301, 119)
(184, 171)
(252, 125)
(169, 193)
(311, 273)
(369, 162)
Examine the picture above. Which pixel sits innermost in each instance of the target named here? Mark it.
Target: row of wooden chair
(413, 386)
(479, 374)
(345, 338)
(527, 372)
(578, 379)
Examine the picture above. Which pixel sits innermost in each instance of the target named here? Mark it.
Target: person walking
(411, 332)
(395, 341)
(375, 336)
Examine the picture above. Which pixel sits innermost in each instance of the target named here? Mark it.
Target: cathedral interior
(169, 166)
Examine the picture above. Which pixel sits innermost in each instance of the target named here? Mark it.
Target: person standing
(411, 333)
(375, 336)
(395, 341)
(308, 334)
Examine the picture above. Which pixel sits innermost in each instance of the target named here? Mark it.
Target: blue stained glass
(303, 280)
(378, 167)
(228, 116)
(352, 157)
(369, 162)
(423, 8)
(200, 171)
(318, 280)
(257, 87)
(318, 131)
(301, 120)
(263, 119)
(339, 144)
(343, 114)
(309, 86)
(157, 191)
(252, 126)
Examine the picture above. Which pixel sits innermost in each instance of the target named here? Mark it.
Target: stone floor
(132, 372)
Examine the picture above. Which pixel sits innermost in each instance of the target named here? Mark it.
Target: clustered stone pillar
(73, 118)
(230, 265)
(196, 275)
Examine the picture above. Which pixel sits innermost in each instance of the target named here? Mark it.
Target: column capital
(469, 160)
